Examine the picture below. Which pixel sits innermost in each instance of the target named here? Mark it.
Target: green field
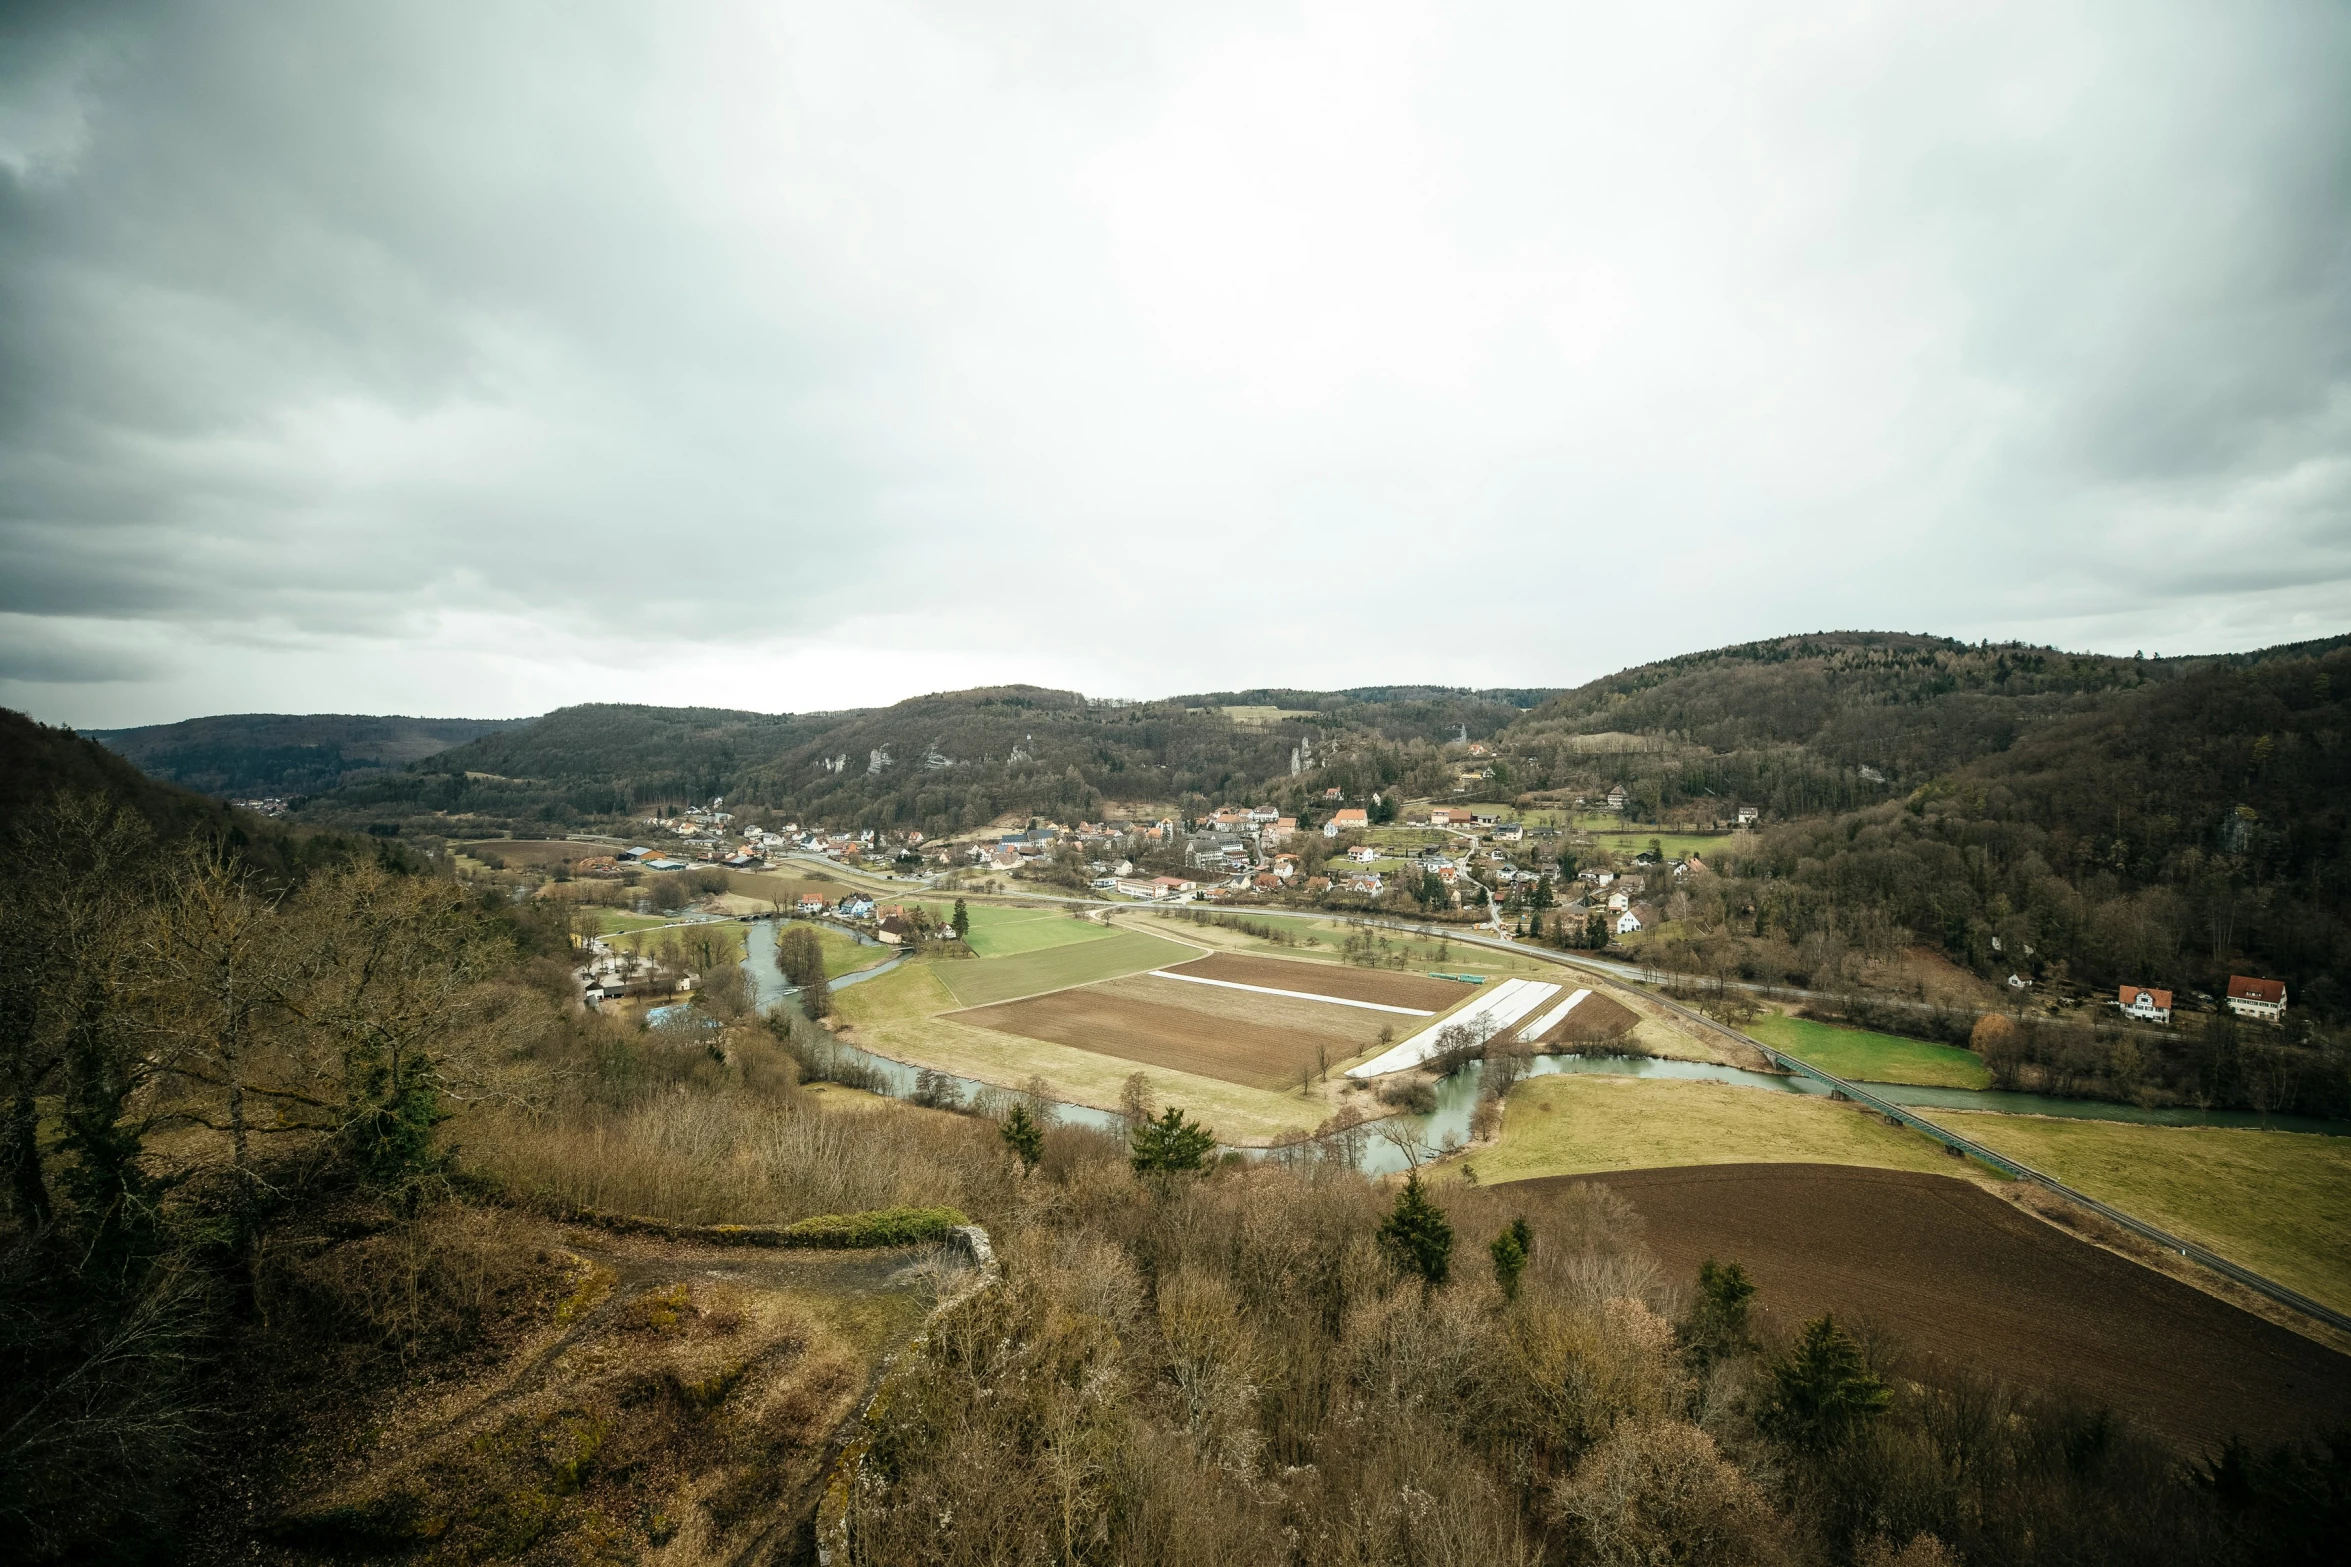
(1674, 845)
(1572, 1125)
(911, 990)
(980, 981)
(844, 954)
(1419, 953)
(612, 921)
(2276, 1202)
(1871, 1058)
(1001, 931)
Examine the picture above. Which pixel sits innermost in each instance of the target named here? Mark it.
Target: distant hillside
(1830, 721)
(38, 763)
(256, 755)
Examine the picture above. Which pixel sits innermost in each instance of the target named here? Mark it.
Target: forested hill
(1905, 706)
(40, 765)
(949, 760)
(257, 755)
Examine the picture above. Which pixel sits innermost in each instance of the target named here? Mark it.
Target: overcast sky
(481, 358)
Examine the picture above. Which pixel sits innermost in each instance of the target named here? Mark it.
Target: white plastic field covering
(1551, 1019)
(1295, 995)
(1498, 1008)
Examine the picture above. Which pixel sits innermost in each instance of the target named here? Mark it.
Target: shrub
(877, 1227)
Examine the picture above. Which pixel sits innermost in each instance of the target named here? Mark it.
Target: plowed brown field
(1329, 979)
(1963, 1279)
(1266, 1050)
(1595, 1020)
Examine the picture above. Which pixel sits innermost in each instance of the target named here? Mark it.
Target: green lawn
(2276, 1202)
(1001, 931)
(979, 981)
(1871, 1058)
(1575, 1124)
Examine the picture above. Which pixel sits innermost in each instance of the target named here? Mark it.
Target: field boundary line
(2284, 1295)
(1302, 995)
(1902, 1115)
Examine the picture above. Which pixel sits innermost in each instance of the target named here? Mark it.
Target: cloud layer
(479, 358)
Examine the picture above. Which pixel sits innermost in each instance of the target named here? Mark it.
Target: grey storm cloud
(491, 356)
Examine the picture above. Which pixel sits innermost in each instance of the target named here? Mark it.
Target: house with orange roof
(2263, 1000)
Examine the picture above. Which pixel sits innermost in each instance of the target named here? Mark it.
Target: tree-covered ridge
(2199, 825)
(246, 755)
(1904, 706)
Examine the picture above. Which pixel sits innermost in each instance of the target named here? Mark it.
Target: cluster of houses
(2262, 1000)
(891, 923)
(706, 836)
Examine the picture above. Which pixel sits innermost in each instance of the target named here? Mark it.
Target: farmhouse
(894, 931)
(1618, 799)
(1509, 832)
(1747, 815)
(1628, 923)
(2148, 1005)
(1350, 819)
(811, 903)
(2261, 999)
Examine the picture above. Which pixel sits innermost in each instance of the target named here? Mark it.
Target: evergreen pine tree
(961, 920)
(1418, 1236)
(1510, 1260)
(1023, 1136)
(1822, 1390)
(1170, 1145)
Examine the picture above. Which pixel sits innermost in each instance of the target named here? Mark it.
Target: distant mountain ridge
(257, 755)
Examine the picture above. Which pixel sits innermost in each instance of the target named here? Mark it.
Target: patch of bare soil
(1329, 979)
(1170, 1032)
(1961, 1279)
(1596, 1020)
(681, 1398)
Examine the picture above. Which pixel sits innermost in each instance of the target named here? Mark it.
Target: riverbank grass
(1576, 1124)
(2276, 1202)
(1863, 1057)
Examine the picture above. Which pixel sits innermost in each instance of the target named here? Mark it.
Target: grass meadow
(979, 981)
(1000, 930)
(1871, 1058)
(1574, 1125)
(2277, 1202)
(1674, 845)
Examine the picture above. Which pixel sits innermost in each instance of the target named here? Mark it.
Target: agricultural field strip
(1300, 995)
(1504, 1005)
(1552, 1019)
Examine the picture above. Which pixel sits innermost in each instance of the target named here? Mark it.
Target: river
(1457, 1095)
